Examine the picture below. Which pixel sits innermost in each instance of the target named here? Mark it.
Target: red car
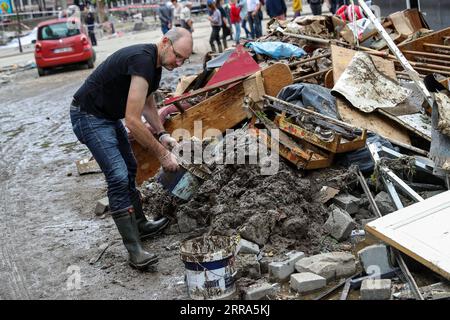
(62, 42)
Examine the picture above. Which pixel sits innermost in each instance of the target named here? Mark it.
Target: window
(58, 30)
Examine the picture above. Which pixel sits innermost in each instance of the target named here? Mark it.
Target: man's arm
(135, 106)
(150, 114)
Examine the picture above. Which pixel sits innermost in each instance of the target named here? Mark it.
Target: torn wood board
(374, 122)
(421, 231)
(87, 165)
(366, 88)
(183, 84)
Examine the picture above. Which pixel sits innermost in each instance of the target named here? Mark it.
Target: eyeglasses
(179, 58)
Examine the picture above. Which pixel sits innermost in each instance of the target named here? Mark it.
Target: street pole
(20, 27)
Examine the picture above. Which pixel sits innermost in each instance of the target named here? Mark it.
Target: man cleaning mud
(122, 88)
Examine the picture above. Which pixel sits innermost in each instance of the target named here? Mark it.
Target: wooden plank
(422, 231)
(276, 77)
(418, 44)
(375, 122)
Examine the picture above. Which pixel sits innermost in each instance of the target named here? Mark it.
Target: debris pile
(362, 145)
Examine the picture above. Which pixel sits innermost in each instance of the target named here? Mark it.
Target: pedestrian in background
(165, 13)
(176, 13)
(243, 6)
(276, 9)
(90, 22)
(215, 19)
(235, 17)
(253, 7)
(316, 7)
(186, 20)
(297, 7)
(226, 31)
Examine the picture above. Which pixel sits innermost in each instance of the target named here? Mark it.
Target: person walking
(316, 7)
(276, 9)
(90, 22)
(165, 13)
(243, 14)
(253, 7)
(215, 18)
(122, 87)
(235, 17)
(297, 7)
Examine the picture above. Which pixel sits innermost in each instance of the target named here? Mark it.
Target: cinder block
(102, 206)
(246, 246)
(307, 281)
(375, 259)
(330, 265)
(376, 289)
(347, 202)
(260, 291)
(281, 270)
(339, 224)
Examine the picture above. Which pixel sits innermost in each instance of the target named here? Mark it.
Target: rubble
(306, 282)
(332, 265)
(376, 289)
(247, 265)
(375, 259)
(260, 291)
(281, 270)
(102, 206)
(339, 223)
(348, 203)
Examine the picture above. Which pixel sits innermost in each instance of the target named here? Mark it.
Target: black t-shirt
(105, 91)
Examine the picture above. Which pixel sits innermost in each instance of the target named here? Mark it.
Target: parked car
(62, 42)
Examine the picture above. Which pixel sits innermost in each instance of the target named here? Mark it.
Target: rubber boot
(213, 47)
(220, 47)
(146, 228)
(126, 224)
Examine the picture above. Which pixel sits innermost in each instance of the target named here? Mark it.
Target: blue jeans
(255, 25)
(237, 28)
(108, 142)
(164, 28)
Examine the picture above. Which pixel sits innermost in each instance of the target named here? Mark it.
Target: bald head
(175, 47)
(179, 34)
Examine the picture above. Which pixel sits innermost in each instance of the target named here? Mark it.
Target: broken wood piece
(336, 145)
(303, 61)
(311, 75)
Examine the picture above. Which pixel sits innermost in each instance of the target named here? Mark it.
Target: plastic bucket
(180, 183)
(209, 267)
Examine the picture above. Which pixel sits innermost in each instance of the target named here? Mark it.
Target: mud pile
(278, 211)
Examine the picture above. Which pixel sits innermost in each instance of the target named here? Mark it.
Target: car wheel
(90, 63)
(41, 71)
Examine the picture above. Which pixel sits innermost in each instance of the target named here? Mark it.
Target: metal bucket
(181, 183)
(209, 267)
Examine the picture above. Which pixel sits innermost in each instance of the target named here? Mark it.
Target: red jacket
(234, 13)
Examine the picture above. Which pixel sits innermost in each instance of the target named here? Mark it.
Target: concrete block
(375, 259)
(246, 246)
(347, 202)
(261, 291)
(264, 263)
(339, 224)
(247, 265)
(384, 203)
(281, 270)
(102, 206)
(332, 265)
(307, 281)
(376, 289)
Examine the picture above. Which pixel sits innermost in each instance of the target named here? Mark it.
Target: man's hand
(169, 162)
(167, 141)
